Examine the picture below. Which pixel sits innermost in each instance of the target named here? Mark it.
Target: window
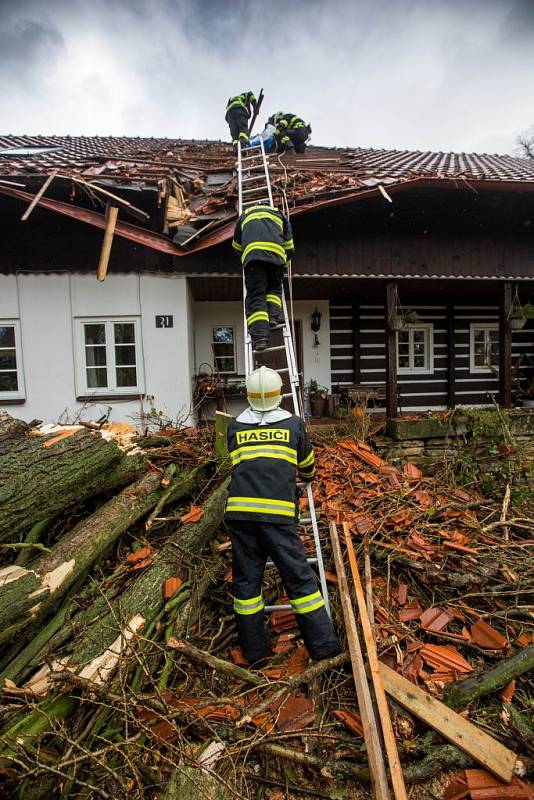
(484, 348)
(223, 343)
(11, 377)
(109, 361)
(415, 350)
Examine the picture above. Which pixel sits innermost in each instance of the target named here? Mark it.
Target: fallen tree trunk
(43, 475)
(458, 695)
(28, 594)
(145, 595)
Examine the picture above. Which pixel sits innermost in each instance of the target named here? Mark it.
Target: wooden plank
(38, 196)
(391, 351)
(505, 346)
(451, 358)
(365, 705)
(256, 112)
(138, 212)
(107, 242)
(493, 755)
(397, 778)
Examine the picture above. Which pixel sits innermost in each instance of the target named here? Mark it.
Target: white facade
(48, 313)
(50, 308)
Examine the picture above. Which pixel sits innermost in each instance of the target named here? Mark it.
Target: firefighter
(264, 241)
(291, 132)
(268, 446)
(238, 111)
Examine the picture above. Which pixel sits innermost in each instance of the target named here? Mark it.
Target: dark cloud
(428, 74)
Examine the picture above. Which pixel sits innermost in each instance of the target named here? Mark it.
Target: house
(449, 236)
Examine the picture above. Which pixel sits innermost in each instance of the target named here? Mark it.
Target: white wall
(48, 305)
(316, 359)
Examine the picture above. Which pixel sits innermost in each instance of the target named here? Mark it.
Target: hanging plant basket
(517, 323)
(397, 323)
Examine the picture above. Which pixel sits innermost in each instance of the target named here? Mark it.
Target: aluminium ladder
(254, 186)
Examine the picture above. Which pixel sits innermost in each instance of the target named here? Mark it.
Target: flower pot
(318, 406)
(396, 323)
(517, 323)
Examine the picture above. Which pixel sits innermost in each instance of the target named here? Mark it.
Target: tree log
(28, 594)
(144, 596)
(38, 479)
(460, 694)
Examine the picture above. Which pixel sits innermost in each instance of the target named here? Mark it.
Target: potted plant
(518, 314)
(318, 397)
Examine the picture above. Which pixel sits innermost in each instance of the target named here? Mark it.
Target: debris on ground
(121, 674)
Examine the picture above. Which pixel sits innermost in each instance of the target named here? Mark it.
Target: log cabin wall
(357, 341)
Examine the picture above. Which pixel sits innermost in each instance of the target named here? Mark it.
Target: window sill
(95, 398)
(12, 401)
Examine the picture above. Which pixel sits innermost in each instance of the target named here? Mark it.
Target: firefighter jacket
(267, 449)
(290, 122)
(262, 233)
(244, 100)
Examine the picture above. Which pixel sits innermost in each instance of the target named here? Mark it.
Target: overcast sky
(414, 74)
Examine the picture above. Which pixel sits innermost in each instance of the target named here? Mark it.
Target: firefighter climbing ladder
(254, 186)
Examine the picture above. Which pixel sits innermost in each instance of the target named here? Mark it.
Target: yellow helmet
(264, 389)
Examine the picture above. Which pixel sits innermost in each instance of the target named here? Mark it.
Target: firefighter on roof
(268, 446)
(264, 241)
(291, 132)
(238, 111)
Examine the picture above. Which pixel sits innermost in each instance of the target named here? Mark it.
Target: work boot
(276, 319)
(260, 344)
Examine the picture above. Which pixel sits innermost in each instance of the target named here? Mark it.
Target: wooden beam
(505, 346)
(256, 112)
(391, 351)
(395, 768)
(365, 704)
(111, 215)
(137, 212)
(38, 196)
(451, 359)
(467, 737)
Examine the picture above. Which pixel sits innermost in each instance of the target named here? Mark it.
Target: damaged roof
(196, 188)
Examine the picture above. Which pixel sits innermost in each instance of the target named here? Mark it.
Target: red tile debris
(170, 587)
(193, 515)
(138, 555)
(508, 692)
(487, 637)
(295, 713)
(411, 471)
(351, 720)
(435, 619)
(444, 658)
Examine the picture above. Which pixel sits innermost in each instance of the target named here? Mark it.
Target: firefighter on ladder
(267, 447)
(264, 241)
(238, 112)
(291, 132)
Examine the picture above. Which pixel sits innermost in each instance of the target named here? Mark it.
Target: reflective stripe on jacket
(243, 100)
(262, 233)
(265, 463)
(289, 122)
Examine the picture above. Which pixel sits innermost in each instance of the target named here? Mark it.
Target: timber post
(505, 345)
(391, 350)
(451, 359)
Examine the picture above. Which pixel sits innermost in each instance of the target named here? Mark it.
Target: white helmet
(264, 389)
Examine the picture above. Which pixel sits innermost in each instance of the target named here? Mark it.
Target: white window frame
(79, 342)
(212, 343)
(428, 327)
(474, 326)
(20, 393)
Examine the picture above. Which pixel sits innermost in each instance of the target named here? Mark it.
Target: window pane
(95, 334)
(97, 377)
(225, 335)
(126, 376)
(404, 362)
(225, 364)
(125, 355)
(479, 360)
(419, 361)
(494, 336)
(404, 337)
(124, 333)
(95, 356)
(480, 348)
(478, 335)
(419, 336)
(223, 349)
(8, 382)
(7, 336)
(8, 359)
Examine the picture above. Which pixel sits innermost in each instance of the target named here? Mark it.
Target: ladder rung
(270, 563)
(255, 189)
(305, 521)
(257, 200)
(251, 158)
(254, 178)
(278, 608)
(287, 394)
(251, 168)
(271, 349)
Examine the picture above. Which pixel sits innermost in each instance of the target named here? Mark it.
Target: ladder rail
(288, 345)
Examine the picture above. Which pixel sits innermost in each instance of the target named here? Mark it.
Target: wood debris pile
(120, 670)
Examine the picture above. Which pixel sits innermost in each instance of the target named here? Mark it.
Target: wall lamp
(316, 325)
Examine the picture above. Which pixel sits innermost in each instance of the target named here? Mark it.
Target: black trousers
(292, 140)
(237, 119)
(263, 282)
(252, 544)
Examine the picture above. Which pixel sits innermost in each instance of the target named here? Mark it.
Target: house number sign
(164, 321)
